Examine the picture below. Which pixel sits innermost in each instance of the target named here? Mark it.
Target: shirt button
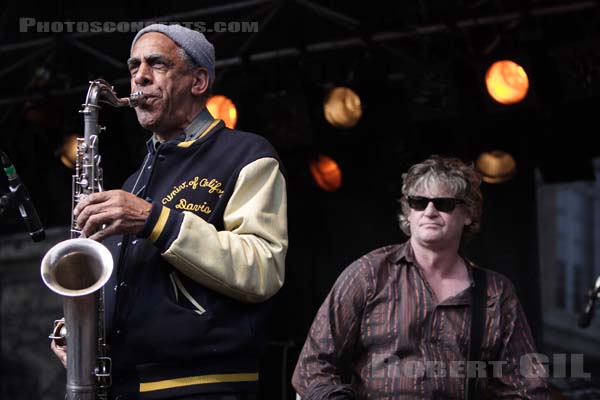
(134, 242)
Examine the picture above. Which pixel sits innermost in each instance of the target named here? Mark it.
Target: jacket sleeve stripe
(197, 380)
(160, 224)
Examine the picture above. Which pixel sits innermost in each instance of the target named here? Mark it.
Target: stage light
(326, 173)
(496, 166)
(222, 107)
(68, 151)
(342, 107)
(506, 82)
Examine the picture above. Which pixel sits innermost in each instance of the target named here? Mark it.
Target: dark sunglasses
(443, 204)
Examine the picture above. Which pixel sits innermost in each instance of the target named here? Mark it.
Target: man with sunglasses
(417, 320)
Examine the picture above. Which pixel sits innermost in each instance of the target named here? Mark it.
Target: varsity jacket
(187, 303)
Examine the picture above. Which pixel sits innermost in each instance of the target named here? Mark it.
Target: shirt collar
(198, 124)
(405, 253)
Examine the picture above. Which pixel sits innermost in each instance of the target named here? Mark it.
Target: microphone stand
(24, 204)
(588, 313)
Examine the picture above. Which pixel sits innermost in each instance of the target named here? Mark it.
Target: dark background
(418, 67)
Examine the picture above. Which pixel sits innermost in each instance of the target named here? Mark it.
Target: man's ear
(200, 81)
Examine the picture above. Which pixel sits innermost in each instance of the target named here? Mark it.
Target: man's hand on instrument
(60, 351)
(115, 211)
(58, 342)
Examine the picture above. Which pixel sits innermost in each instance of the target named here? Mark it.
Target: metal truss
(243, 53)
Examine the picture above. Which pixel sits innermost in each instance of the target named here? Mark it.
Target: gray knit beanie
(193, 42)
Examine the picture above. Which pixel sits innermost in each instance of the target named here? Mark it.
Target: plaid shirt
(381, 333)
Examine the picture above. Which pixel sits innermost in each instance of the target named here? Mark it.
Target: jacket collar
(201, 125)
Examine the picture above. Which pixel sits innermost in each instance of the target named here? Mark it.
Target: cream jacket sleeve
(246, 260)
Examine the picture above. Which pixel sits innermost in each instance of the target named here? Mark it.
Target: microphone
(588, 312)
(21, 196)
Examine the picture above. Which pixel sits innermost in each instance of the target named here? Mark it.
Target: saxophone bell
(76, 267)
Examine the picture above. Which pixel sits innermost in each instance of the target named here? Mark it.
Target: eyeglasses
(443, 204)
